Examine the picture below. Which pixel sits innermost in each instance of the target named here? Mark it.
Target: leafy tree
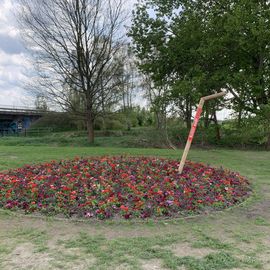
(264, 119)
(199, 47)
(238, 38)
(170, 47)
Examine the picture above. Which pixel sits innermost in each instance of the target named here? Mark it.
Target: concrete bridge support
(15, 120)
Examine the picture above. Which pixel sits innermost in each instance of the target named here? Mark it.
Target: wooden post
(194, 127)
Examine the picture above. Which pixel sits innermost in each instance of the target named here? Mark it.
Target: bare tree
(75, 45)
(40, 103)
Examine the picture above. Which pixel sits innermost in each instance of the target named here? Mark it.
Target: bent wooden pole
(194, 127)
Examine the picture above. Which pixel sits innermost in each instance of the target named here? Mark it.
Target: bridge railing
(20, 109)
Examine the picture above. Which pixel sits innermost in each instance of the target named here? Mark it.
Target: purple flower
(169, 202)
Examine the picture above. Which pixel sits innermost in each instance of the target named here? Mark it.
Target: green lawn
(238, 238)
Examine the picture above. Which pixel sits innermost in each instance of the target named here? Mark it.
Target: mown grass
(231, 239)
(74, 139)
(120, 251)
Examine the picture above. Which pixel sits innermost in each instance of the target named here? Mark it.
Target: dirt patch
(240, 268)
(264, 256)
(154, 264)
(265, 260)
(72, 259)
(24, 257)
(121, 267)
(261, 208)
(57, 229)
(245, 248)
(184, 249)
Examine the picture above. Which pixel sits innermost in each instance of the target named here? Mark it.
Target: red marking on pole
(195, 124)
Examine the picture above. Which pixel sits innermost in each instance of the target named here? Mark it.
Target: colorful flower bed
(128, 187)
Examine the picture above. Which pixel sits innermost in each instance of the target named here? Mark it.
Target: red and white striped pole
(194, 127)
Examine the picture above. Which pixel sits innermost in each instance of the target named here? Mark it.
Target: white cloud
(13, 61)
(14, 66)
(15, 97)
(7, 20)
(12, 77)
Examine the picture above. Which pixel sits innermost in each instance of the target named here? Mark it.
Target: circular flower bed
(129, 187)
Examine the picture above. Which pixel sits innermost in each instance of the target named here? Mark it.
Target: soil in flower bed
(126, 187)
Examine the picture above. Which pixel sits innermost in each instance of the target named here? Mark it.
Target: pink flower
(105, 187)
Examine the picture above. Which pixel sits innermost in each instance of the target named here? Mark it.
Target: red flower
(124, 208)
(132, 186)
(187, 190)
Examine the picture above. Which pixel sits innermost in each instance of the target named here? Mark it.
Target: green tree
(237, 40)
(199, 47)
(264, 120)
(169, 38)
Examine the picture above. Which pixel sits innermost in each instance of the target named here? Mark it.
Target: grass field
(238, 238)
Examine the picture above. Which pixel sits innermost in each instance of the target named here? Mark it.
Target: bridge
(16, 119)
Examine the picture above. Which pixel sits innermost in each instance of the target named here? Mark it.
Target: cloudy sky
(14, 66)
(13, 59)
(13, 63)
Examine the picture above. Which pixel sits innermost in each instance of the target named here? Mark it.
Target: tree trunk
(239, 119)
(206, 117)
(267, 145)
(188, 115)
(90, 129)
(159, 120)
(218, 136)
